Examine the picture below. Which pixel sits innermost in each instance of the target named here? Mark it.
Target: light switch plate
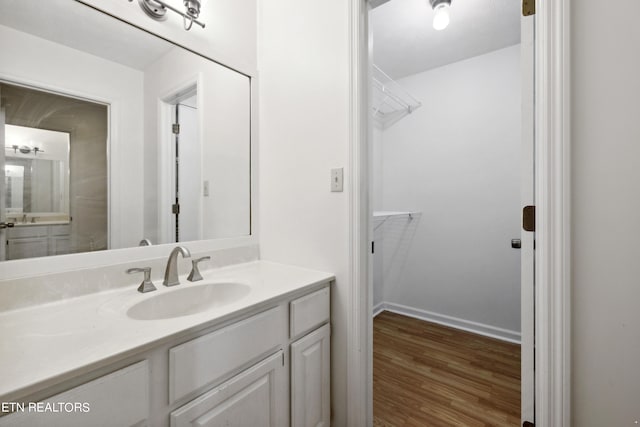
(337, 176)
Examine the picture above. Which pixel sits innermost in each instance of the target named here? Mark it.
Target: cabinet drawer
(256, 398)
(28, 231)
(59, 230)
(309, 312)
(118, 399)
(214, 356)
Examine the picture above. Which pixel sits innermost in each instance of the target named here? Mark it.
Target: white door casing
(527, 238)
(553, 209)
(190, 185)
(3, 210)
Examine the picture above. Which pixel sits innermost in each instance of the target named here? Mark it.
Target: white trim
(553, 227)
(166, 150)
(359, 320)
(450, 321)
(378, 308)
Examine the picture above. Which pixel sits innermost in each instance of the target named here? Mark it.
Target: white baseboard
(378, 308)
(453, 322)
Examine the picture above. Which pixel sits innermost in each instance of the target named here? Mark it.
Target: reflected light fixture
(441, 13)
(157, 9)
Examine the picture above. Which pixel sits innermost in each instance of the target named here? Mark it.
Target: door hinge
(528, 7)
(175, 128)
(373, 247)
(175, 209)
(529, 218)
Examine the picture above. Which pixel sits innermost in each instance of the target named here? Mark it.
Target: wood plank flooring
(426, 375)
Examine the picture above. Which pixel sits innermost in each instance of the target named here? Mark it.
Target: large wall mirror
(114, 137)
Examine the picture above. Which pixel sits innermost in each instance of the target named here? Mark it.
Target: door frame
(3, 216)
(553, 226)
(166, 102)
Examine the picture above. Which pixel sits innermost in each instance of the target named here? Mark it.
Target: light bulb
(441, 16)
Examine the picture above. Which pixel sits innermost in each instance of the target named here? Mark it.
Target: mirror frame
(28, 267)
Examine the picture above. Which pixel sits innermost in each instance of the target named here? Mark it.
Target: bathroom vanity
(253, 350)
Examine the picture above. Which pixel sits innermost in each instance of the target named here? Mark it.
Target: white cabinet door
(59, 245)
(256, 397)
(310, 373)
(29, 247)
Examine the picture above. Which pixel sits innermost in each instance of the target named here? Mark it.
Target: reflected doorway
(55, 182)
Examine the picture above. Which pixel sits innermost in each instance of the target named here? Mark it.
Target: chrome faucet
(171, 272)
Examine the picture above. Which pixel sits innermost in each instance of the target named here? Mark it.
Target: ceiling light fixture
(441, 16)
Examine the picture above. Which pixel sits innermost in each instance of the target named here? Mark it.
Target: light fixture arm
(157, 9)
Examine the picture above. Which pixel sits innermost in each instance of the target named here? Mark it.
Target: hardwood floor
(426, 374)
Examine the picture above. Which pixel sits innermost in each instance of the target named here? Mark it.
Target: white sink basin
(188, 299)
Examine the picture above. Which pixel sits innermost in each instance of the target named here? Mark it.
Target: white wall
(457, 160)
(606, 201)
(229, 36)
(97, 79)
(304, 132)
(376, 174)
(378, 225)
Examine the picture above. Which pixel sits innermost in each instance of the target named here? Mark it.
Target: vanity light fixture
(24, 149)
(441, 17)
(157, 9)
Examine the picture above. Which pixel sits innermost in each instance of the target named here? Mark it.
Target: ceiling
(405, 43)
(72, 24)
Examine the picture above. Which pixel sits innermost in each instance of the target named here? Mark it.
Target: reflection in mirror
(36, 171)
(46, 136)
(112, 135)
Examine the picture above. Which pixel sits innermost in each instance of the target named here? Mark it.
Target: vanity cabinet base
(244, 371)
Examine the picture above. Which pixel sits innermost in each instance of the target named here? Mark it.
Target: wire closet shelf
(391, 101)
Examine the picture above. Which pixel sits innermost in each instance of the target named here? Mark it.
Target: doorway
(186, 151)
(51, 202)
(182, 190)
(449, 177)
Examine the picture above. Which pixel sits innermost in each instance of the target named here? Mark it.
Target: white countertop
(40, 223)
(46, 344)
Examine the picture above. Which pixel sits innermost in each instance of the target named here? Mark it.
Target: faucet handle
(146, 285)
(195, 275)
